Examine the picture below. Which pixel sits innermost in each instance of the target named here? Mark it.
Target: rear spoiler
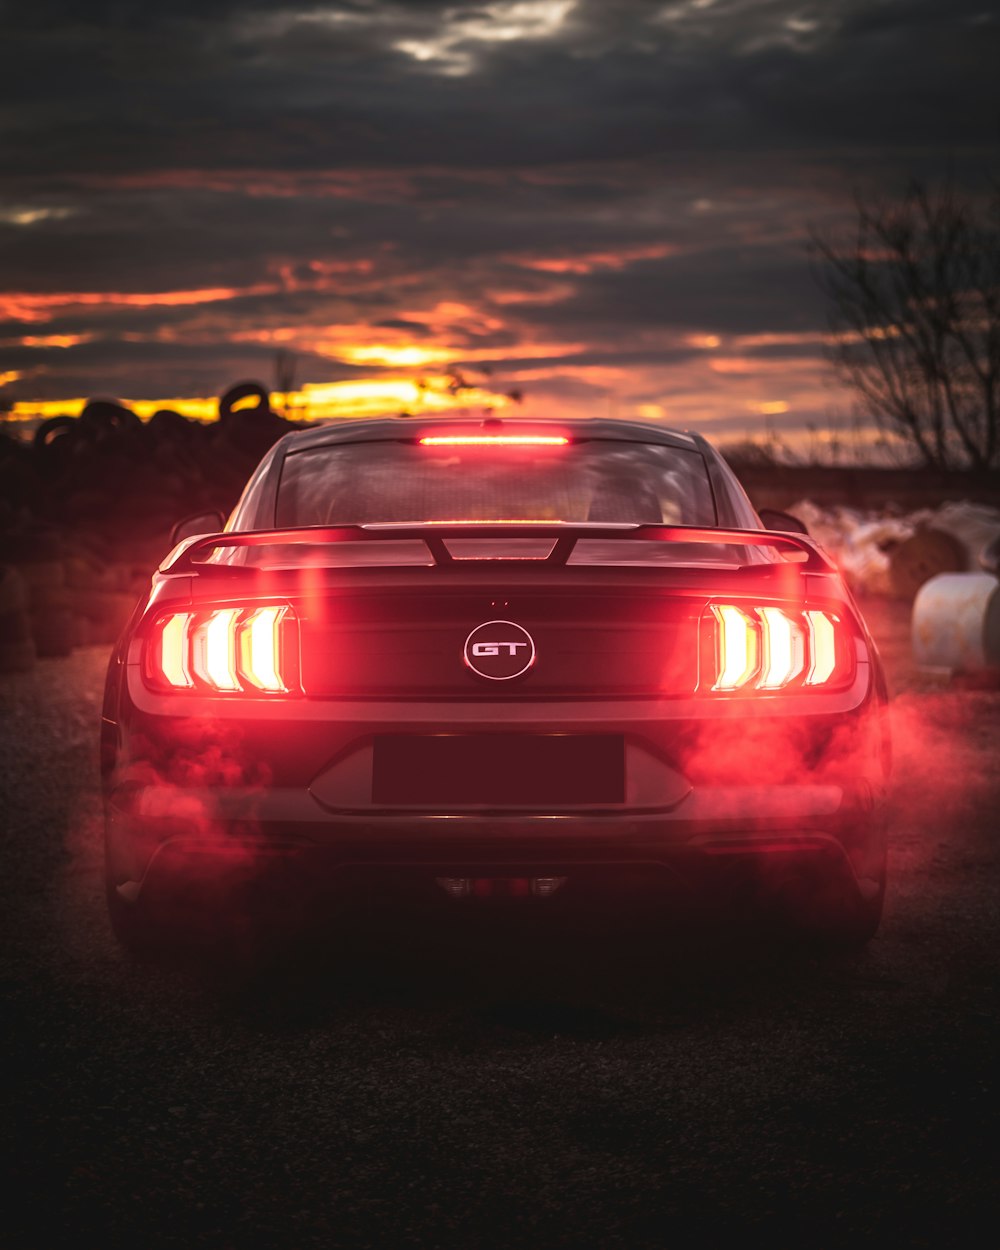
(193, 554)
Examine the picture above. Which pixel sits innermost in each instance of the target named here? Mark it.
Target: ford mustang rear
(497, 658)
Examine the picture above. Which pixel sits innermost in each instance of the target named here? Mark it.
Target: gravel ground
(509, 1083)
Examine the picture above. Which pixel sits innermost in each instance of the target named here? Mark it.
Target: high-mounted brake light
(769, 648)
(494, 440)
(224, 651)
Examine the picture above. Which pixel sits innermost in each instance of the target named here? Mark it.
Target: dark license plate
(499, 770)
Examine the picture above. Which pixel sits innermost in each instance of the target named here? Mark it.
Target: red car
(496, 658)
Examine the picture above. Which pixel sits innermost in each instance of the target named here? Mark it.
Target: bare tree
(915, 321)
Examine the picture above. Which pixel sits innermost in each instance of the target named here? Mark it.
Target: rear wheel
(183, 921)
(853, 927)
(134, 925)
(836, 912)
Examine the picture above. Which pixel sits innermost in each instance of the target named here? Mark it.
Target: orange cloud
(595, 375)
(405, 356)
(747, 342)
(587, 262)
(447, 316)
(30, 306)
(395, 347)
(419, 355)
(53, 340)
(554, 294)
(752, 366)
(320, 275)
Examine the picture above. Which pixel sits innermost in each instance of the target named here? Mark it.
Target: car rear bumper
(214, 793)
(211, 836)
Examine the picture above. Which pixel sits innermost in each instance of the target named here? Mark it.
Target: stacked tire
(100, 614)
(37, 559)
(87, 507)
(17, 650)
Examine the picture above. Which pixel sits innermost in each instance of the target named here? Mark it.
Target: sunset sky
(602, 204)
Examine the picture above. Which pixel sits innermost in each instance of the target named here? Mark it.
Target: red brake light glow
(822, 648)
(224, 651)
(737, 647)
(213, 650)
(769, 648)
(260, 648)
(174, 650)
(494, 440)
(784, 649)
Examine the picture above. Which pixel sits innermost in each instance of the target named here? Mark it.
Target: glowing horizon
(313, 402)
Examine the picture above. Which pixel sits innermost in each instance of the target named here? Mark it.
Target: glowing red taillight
(260, 649)
(784, 655)
(822, 647)
(770, 648)
(494, 440)
(174, 650)
(224, 651)
(736, 647)
(213, 650)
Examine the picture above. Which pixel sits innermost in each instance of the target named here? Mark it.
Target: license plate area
(498, 770)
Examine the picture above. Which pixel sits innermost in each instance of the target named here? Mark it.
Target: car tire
(171, 927)
(134, 927)
(832, 912)
(853, 927)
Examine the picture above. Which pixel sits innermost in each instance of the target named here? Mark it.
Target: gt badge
(499, 650)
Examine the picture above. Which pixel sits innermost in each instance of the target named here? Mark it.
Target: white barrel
(956, 622)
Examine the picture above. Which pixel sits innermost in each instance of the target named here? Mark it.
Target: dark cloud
(611, 176)
(730, 290)
(130, 87)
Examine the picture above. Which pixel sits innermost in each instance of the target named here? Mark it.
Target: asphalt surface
(511, 1082)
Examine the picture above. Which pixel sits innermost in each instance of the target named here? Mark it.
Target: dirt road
(505, 1086)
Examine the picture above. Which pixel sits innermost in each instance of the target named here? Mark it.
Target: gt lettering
(493, 648)
(499, 650)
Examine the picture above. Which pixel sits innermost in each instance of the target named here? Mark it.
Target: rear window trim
(414, 441)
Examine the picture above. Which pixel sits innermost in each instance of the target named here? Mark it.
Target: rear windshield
(604, 480)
